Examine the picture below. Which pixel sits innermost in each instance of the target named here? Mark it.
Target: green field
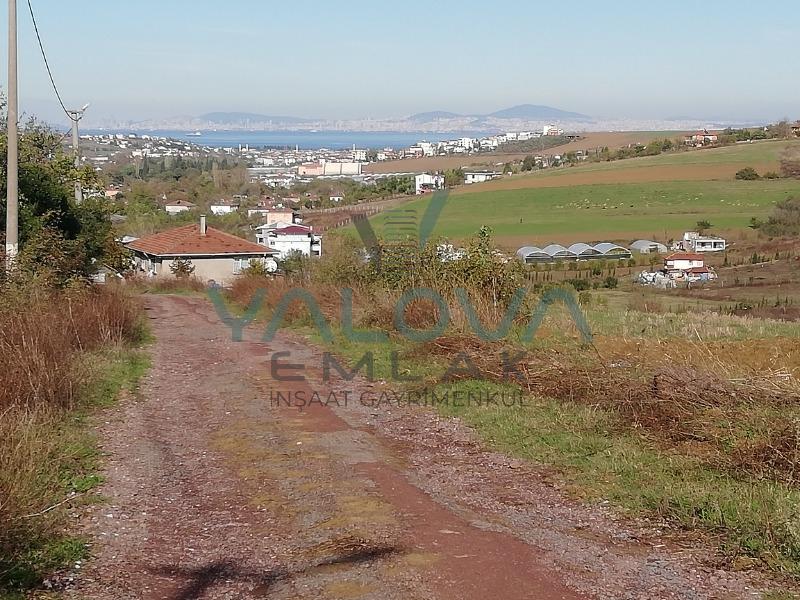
(620, 212)
(651, 197)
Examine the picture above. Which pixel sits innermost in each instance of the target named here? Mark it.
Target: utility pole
(75, 116)
(12, 170)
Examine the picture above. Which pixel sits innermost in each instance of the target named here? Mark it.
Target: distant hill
(537, 112)
(530, 112)
(242, 117)
(434, 115)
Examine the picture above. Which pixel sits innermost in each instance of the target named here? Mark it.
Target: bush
(610, 282)
(747, 174)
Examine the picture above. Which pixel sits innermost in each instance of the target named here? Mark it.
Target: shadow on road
(198, 580)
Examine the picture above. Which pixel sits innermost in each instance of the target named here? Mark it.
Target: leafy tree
(453, 177)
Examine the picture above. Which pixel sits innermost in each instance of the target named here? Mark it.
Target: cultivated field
(591, 141)
(656, 197)
(696, 165)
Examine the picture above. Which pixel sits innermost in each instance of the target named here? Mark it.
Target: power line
(47, 64)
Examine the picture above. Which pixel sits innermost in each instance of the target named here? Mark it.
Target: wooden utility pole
(12, 169)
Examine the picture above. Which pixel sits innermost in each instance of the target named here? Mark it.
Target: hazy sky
(649, 58)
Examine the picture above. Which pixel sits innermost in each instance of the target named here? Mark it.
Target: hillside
(654, 197)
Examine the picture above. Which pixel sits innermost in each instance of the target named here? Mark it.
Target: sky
(715, 59)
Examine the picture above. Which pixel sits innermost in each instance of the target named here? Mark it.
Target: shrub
(748, 174)
(610, 282)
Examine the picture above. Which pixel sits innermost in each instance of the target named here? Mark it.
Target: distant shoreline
(306, 140)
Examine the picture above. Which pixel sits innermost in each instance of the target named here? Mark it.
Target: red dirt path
(215, 493)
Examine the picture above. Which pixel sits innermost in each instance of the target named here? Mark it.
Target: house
(224, 207)
(112, 194)
(282, 216)
(699, 274)
(680, 262)
(796, 129)
(552, 130)
(695, 242)
(336, 198)
(479, 176)
(648, 247)
(178, 206)
(216, 256)
(700, 138)
(286, 238)
(426, 183)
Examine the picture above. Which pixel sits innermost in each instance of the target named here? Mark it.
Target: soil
(216, 491)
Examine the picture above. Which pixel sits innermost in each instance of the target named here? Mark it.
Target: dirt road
(215, 492)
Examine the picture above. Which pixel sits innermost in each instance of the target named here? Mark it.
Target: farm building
(214, 255)
(648, 247)
(479, 176)
(579, 251)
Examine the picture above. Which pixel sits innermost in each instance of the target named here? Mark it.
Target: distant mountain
(242, 117)
(535, 112)
(527, 112)
(434, 115)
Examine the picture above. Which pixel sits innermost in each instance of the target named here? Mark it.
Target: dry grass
(745, 422)
(46, 337)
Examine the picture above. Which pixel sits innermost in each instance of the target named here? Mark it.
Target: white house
(286, 238)
(679, 262)
(703, 243)
(336, 198)
(224, 207)
(479, 176)
(426, 183)
(174, 207)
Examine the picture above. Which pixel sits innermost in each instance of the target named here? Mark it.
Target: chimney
(202, 224)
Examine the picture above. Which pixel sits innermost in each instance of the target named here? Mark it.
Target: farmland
(656, 197)
(592, 140)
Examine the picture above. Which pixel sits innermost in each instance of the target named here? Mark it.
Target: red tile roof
(684, 256)
(292, 230)
(187, 240)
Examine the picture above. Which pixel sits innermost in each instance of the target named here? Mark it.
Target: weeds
(61, 353)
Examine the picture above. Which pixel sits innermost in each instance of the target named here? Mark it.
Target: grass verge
(52, 466)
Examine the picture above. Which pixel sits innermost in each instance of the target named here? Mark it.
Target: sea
(306, 140)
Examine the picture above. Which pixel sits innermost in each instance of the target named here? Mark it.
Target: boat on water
(195, 134)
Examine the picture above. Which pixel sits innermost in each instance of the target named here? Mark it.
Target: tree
(182, 268)
(56, 234)
(453, 177)
(703, 226)
(748, 174)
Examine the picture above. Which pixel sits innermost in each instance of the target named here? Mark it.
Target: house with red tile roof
(215, 255)
(288, 238)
